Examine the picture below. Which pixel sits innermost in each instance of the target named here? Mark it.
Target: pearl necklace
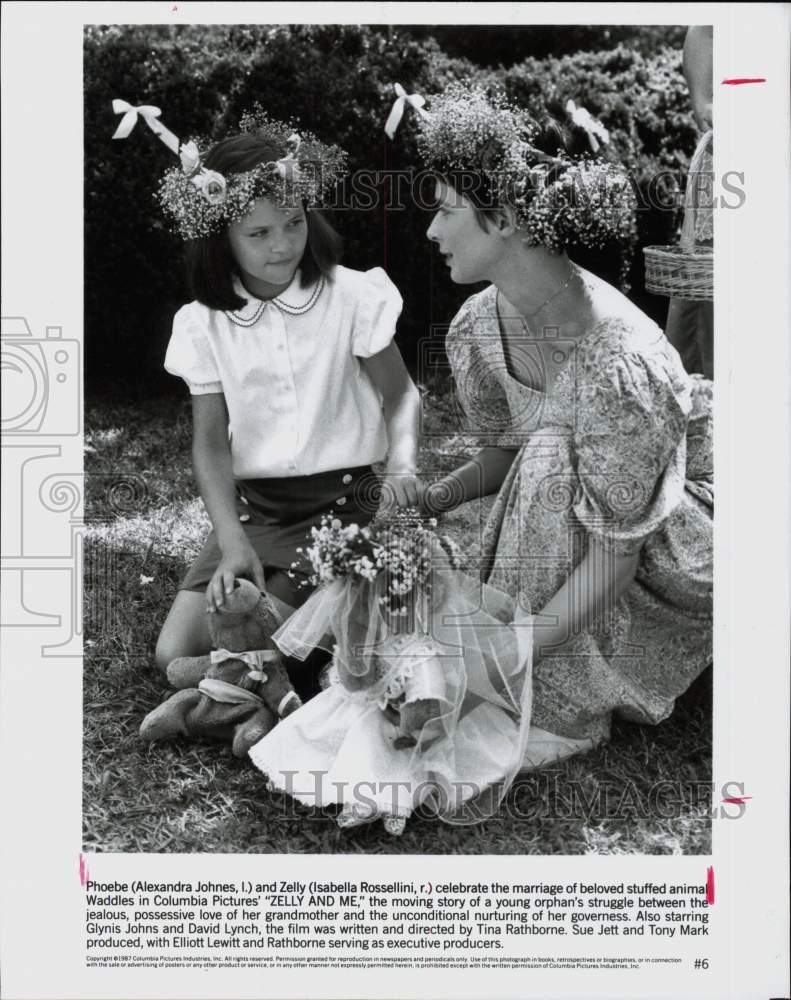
(284, 307)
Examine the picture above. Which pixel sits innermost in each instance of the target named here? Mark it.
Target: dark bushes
(337, 81)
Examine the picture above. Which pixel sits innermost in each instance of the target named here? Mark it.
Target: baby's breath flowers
(591, 204)
(200, 202)
(558, 200)
(470, 129)
(396, 550)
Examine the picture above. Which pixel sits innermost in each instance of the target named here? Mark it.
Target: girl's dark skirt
(277, 515)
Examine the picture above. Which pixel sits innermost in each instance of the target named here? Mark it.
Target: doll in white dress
(428, 694)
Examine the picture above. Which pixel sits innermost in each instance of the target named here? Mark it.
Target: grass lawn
(647, 792)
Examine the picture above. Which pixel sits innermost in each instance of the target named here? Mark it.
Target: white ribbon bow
(255, 658)
(219, 690)
(189, 155)
(149, 114)
(585, 120)
(397, 112)
(288, 165)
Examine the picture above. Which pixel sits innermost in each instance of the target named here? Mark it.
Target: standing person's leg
(706, 338)
(681, 330)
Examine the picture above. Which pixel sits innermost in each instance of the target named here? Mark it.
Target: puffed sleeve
(378, 308)
(630, 423)
(189, 353)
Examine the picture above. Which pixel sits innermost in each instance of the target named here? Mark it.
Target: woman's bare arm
(698, 70)
(589, 594)
(482, 475)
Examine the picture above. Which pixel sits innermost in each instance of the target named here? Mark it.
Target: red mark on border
(737, 800)
(84, 873)
(710, 886)
(745, 79)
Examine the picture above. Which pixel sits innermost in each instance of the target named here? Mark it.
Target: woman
(597, 442)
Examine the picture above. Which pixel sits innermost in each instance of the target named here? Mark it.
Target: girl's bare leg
(186, 630)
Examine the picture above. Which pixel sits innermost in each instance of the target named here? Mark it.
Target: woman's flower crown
(558, 199)
(200, 202)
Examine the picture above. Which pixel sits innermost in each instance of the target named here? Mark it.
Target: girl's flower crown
(200, 202)
(557, 199)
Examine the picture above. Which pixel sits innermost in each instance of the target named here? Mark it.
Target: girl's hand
(703, 115)
(400, 488)
(240, 559)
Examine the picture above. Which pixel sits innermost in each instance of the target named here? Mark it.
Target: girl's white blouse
(299, 401)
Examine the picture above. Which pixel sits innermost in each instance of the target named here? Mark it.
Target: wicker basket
(680, 273)
(685, 271)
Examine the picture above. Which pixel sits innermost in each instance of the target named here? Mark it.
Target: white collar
(294, 295)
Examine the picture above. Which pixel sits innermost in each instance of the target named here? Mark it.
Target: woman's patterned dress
(619, 449)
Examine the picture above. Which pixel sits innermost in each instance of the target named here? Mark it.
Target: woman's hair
(552, 138)
(209, 260)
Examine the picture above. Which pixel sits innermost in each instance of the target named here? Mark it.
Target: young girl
(429, 696)
(297, 385)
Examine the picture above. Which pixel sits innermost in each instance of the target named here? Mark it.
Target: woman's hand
(482, 475)
(239, 559)
(703, 115)
(442, 496)
(439, 497)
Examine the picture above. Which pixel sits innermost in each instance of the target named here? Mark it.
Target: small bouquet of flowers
(397, 547)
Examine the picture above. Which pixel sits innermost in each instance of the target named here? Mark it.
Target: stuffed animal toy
(237, 692)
